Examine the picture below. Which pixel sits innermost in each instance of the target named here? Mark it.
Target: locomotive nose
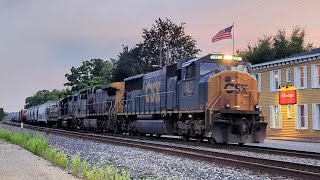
(233, 90)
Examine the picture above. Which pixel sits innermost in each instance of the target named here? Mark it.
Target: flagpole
(233, 38)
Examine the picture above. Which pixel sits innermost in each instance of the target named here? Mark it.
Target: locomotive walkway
(18, 163)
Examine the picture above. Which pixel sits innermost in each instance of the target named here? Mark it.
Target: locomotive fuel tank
(146, 126)
(90, 123)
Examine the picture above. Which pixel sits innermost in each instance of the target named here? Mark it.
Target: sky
(40, 40)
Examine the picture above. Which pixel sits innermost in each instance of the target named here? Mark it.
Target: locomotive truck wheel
(185, 137)
(212, 140)
(199, 139)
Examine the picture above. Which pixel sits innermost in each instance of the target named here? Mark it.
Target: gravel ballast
(146, 164)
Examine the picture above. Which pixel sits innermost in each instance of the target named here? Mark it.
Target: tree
(129, 64)
(90, 73)
(2, 114)
(164, 35)
(279, 46)
(43, 96)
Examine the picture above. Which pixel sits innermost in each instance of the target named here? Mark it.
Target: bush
(76, 164)
(107, 173)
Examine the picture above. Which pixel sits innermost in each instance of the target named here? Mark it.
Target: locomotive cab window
(133, 84)
(190, 71)
(205, 68)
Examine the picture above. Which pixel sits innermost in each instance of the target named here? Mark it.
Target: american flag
(223, 34)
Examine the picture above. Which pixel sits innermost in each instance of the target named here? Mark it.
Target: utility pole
(168, 58)
(160, 54)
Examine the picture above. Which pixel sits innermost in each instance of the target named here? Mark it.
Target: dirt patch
(18, 163)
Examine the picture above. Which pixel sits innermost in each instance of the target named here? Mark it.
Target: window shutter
(279, 79)
(317, 117)
(306, 115)
(288, 75)
(296, 115)
(316, 79)
(271, 81)
(280, 116)
(314, 112)
(295, 78)
(313, 77)
(305, 77)
(271, 117)
(259, 82)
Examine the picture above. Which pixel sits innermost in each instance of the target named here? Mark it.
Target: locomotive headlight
(228, 57)
(257, 106)
(227, 106)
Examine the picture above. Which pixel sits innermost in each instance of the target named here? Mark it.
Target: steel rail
(249, 148)
(282, 168)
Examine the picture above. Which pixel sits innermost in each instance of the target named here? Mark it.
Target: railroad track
(282, 168)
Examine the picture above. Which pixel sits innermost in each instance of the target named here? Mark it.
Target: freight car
(44, 114)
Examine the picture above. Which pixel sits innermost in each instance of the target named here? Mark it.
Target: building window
(300, 77)
(316, 116)
(258, 77)
(275, 116)
(288, 75)
(315, 76)
(289, 111)
(275, 80)
(302, 116)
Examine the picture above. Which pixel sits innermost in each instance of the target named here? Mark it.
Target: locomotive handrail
(231, 89)
(150, 95)
(147, 95)
(215, 100)
(101, 108)
(167, 92)
(110, 107)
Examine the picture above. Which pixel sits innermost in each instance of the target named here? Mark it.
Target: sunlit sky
(41, 40)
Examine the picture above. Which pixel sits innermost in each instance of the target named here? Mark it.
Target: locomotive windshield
(207, 67)
(242, 67)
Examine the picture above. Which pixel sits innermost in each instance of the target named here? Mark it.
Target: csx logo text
(238, 88)
(152, 89)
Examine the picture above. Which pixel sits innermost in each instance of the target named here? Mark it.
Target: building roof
(301, 57)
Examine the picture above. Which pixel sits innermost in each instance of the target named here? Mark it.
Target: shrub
(76, 164)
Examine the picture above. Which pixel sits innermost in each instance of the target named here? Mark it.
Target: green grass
(39, 145)
(81, 169)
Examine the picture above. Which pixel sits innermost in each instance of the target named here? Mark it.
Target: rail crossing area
(171, 158)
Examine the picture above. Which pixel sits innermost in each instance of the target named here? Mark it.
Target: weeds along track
(288, 169)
